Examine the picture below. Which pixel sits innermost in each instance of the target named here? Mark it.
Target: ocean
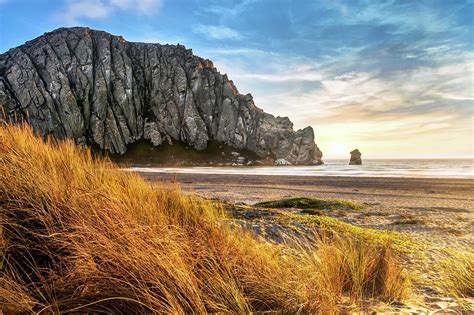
(424, 168)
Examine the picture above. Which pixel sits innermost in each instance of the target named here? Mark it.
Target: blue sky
(392, 78)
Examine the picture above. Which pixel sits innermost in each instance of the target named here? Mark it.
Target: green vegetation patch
(312, 212)
(399, 241)
(307, 203)
(299, 222)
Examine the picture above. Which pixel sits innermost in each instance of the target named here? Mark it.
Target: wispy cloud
(405, 16)
(239, 52)
(232, 11)
(345, 76)
(147, 7)
(91, 9)
(216, 32)
(375, 108)
(156, 37)
(73, 11)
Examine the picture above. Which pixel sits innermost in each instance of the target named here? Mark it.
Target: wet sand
(451, 195)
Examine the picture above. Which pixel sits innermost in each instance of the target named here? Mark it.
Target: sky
(391, 78)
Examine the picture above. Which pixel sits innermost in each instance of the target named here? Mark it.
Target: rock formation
(355, 157)
(99, 89)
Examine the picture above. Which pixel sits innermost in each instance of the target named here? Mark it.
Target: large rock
(99, 89)
(355, 157)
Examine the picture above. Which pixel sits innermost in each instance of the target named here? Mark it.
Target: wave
(434, 168)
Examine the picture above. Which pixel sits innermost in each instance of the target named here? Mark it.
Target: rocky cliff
(100, 89)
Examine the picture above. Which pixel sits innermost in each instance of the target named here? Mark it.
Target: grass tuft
(79, 235)
(358, 269)
(457, 275)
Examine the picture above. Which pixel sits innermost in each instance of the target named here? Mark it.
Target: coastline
(394, 168)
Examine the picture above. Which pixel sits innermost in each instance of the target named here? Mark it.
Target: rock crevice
(99, 89)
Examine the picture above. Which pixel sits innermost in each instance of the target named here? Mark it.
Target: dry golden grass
(348, 267)
(457, 274)
(79, 235)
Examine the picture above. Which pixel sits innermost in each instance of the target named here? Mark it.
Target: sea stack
(99, 89)
(355, 157)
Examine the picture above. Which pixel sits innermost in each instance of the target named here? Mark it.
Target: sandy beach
(441, 194)
(444, 207)
(437, 212)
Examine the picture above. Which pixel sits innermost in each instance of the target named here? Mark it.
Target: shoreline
(397, 183)
(186, 170)
(371, 169)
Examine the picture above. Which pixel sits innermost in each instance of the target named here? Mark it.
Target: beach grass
(457, 274)
(80, 235)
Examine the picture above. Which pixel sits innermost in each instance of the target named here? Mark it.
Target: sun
(338, 150)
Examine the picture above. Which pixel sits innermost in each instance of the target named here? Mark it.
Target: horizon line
(405, 158)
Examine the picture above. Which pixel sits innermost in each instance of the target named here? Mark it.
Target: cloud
(395, 95)
(359, 106)
(302, 74)
(231, 11)
(97, 9)
(239, 52)
(91, 9)
(345, 76)
(157, 37)
(148, 7)
(216, 32)
(406, 17)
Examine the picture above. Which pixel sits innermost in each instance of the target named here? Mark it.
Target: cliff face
(99, 89)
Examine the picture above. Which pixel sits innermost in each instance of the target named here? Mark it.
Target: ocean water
(429, 168)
